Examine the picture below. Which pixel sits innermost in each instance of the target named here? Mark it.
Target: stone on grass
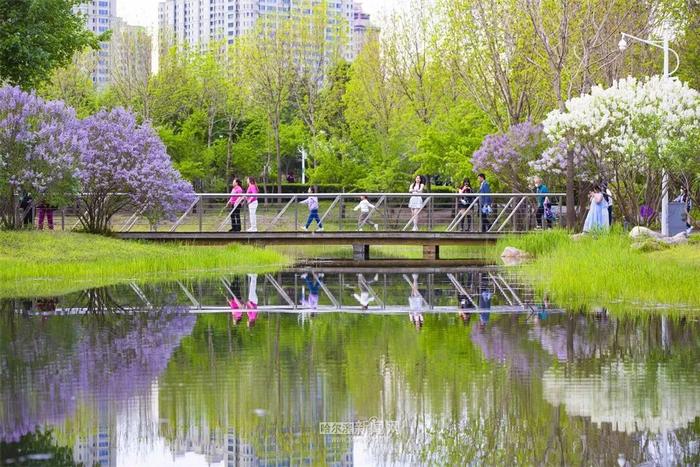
(643, 232)
(678, 239)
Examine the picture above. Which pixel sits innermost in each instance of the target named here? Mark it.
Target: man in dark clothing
(541, 188)
(484, 203)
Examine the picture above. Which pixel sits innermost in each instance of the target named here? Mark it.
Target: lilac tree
(126, 164)
(508, 155)
(40, 144)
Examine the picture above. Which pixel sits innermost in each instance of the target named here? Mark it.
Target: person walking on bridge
(252, 204)
(366, 209)
(312, 203)
(235, 202)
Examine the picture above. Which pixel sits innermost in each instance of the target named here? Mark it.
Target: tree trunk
(278, 153)
(570, 199)
(228, 148)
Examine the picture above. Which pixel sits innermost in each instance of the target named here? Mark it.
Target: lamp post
(662, 44)
(302, 151)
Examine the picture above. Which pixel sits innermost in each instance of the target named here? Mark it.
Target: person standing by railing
(252, 204)
(484, 202)
(312, 203)
(464, 204)
(416, 202)
(235, 202)
(541, 189)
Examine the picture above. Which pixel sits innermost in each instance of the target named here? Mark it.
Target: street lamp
(662, 44)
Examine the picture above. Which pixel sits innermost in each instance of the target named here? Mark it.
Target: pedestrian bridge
(441, 219)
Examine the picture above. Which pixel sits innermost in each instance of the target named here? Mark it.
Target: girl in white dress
(416, 202)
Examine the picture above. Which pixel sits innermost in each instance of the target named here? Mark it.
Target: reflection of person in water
(46, 304)
(252, 304)
(365, 296)
(484, 301)
(464, 304)
(543, 309)
(415, 303)
(313, 284)
(234, 302)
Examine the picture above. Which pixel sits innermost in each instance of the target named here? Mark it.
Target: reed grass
(604, 270)
(52, 263)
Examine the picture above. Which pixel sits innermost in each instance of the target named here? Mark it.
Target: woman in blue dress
(597, 218)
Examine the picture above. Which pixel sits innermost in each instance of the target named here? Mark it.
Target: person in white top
(416, 202)
(366, 209)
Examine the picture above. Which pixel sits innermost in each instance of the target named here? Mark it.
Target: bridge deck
(316, 238)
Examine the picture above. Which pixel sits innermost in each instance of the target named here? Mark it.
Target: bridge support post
(431, 252)
(360, 252)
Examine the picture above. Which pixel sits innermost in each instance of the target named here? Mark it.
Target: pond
(343, 367)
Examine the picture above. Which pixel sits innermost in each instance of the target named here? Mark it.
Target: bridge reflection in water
(368, 290)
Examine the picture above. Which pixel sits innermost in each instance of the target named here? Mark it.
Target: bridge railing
(392, 212)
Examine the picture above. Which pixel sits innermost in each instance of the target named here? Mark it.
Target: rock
(512, 252)
(678, 239)
(643, 232)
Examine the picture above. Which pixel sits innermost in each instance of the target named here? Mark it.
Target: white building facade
(99, 17)
(197, 22)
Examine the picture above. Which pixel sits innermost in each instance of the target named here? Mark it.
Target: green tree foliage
(73, 85)
(37, 36)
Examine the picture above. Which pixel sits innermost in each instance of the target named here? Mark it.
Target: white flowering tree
(623, 134)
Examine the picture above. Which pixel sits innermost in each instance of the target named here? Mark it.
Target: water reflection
(167, 373)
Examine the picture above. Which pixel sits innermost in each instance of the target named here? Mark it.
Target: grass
(53, 263)
(604, 270)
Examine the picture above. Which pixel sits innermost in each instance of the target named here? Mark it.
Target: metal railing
(385, 291)
(392, 212)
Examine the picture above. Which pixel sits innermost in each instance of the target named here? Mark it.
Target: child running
(312, 203)
(365, 206)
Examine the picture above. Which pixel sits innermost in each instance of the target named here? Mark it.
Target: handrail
(374, 194)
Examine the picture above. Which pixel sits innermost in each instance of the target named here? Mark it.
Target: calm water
(432, 366)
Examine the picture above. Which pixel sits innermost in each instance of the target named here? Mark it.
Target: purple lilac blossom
(506, 155)
(126, 157)
(40, 142)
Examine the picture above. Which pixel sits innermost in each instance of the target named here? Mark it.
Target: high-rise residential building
(130, 54)
(197, 22)
(99, 16)
(362, 29)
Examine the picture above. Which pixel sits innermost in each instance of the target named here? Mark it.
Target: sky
(145, 12)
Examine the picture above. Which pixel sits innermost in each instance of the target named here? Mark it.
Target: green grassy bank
(53, 263)
(606, 271)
